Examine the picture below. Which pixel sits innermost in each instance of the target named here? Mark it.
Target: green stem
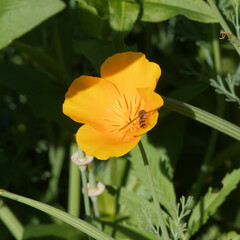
(216, 50)
(96, 212)
(222, 22)
(80, 153)
(65, 217)
(237, 19)
(154, 195)
(74, 188)
(203, 117)
(94, 200)
(92, 180)
(83, 169)
(85, 193)
(10, 220)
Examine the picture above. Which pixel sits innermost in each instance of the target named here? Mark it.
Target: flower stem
(203, 117)
(11, 222)
(96, 212)
(94, 200)
(154, 195)
(80, 153)
(85, 193)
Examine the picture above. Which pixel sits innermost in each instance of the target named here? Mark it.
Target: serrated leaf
(134, 202)
(136, 208)
(18, 17)
(208, 205)
(163, 183)
(161, 10)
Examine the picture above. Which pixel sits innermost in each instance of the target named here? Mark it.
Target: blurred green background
(45, 45)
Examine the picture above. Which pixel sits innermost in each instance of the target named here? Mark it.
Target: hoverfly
(142, 118)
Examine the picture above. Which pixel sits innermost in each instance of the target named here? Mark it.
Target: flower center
(125, 117)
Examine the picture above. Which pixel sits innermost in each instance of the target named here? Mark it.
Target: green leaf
(208, 205)
(93, 20)
(162, 181)
(134, 202)
(18, 17)
(10, 220)
(203, 117)
(123, 15)
(139, 210)
(53, 230)
(161, 10)
(123, 231)
(184, 93)
(65, 217)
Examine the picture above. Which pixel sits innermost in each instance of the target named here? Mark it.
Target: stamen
(126, 102)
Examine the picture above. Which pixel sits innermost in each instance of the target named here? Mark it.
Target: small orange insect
(224, 34)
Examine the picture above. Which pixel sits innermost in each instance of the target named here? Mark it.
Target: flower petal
(152, 99)
(88, 99)
(152, 102)
(101, 146)
(151, 122)
(130, 70)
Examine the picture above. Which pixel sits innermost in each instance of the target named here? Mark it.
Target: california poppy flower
(117, 108)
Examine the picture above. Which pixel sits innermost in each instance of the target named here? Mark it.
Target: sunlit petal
(95, 143)
(152, 100)
(130, 70)
(89, 99)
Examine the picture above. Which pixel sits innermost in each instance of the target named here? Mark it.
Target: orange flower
(117, 108)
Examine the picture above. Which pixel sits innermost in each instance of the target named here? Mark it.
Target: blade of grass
(65, 217)
(203, 117)
(11, 221)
